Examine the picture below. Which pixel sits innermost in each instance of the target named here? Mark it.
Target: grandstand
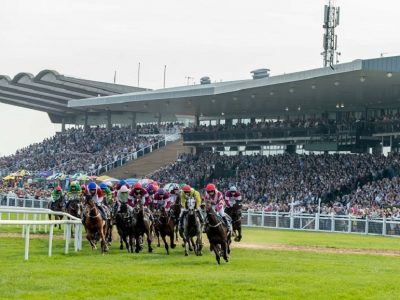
(361, 90)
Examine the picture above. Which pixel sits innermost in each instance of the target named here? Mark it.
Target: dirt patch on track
(283, 247)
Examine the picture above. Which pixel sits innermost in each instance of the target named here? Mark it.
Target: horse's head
(190, 204)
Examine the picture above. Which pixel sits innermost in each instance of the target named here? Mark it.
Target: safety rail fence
(32, 217)
(323, 222)
(134, 155)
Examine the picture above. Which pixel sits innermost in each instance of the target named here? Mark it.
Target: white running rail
(28, 224)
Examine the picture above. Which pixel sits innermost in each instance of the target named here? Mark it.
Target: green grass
(251, 274)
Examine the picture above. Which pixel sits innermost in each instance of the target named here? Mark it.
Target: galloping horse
(57, 205)
(165, 227)
(124, 226)
(218, 235)
(235, 212)
(141, 224)
(74, 208)
(95, 225)
(176, 211)
(191, 228)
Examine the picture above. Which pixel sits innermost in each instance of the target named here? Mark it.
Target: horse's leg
(224, 248)
(199, 242)
(157, 231)
(171, 237)
(137, 241)
(149, 240)
(163, 236)
(186, 244)
(239, 229)
(216, 251)
(176, 233)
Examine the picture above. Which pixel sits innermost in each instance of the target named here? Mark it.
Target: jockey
(118, 186)
(97, 195)
(151, 190)
(174, 193)
(73, 193)
(216, 199)
(232, 196)
(138, 193)
(107, 193)
(162, 199)
(122, 197)
(186, 193)
(84, 191)
(57, 195)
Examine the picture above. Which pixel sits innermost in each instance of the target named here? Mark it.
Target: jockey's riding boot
(227, 223)
(102, 212)
(200, 216)
(180, 228)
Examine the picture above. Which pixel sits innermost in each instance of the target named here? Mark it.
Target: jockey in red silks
(216, 199)
(138, 193)
(162, 200)
(232, 196)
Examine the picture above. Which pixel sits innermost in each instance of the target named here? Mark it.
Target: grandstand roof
(354, 86)
(50, 91)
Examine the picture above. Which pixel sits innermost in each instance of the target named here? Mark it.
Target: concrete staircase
(150, 162)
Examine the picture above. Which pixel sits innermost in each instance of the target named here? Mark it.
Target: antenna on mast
(331, 21)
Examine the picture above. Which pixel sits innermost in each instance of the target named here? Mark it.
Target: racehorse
(141, 224)
(191, 228)
(176, 211)
(57, 205)
(95, 225)
(218, 235)
(124, 227)
(235, 212)
(165, 227)
(74, 208)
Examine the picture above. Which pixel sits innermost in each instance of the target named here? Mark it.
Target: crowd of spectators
(169, 127)
(360, 184)
(76, 150)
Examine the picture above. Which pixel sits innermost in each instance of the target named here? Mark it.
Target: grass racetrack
(267, 264)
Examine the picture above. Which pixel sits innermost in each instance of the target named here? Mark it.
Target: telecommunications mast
(331, 20)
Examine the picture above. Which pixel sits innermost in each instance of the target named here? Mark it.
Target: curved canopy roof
(351, 86)
(50, 91)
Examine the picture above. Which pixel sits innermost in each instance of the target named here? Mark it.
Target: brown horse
(218, 235)
(123, 221)
(57, 205)
(235, 212)
(95, 226)
(165, 227)
(141, 225)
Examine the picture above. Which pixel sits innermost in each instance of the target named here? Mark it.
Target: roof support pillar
(196, 120)
(133, 118)
(86, 127)
(109, 125)
(228, 122)
(63, 125)
(159, 119)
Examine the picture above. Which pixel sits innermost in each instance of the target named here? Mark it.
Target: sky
(224, 39)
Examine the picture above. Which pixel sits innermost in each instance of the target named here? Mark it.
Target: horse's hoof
(186, 254)
(200, 253)
(136, 250)
(173, 246)
(121, 247)
(150, 250)
(158, 245)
